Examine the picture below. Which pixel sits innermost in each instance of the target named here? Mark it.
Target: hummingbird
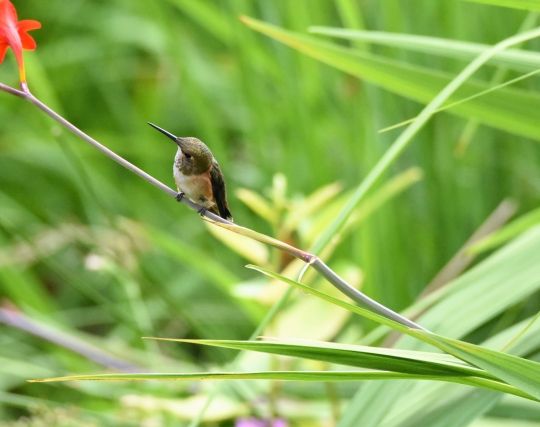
(197, 175)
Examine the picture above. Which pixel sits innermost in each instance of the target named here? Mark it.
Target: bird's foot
(180, 196)
(202, 211)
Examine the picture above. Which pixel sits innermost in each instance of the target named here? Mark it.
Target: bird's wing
(219, 192)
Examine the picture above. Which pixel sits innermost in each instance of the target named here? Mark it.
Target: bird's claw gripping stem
(202, 211)
(180, 196)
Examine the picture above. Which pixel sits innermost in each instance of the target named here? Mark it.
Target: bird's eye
(188, 156)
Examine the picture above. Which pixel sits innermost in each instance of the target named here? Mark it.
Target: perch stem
(306, 257)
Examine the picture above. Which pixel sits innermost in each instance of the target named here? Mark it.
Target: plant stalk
(306, 257)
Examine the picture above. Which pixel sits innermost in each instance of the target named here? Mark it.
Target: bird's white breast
(197, 187)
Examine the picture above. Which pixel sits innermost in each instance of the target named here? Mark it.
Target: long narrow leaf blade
(511, 110)
(324, 376)
(386, 359)
(521, 373)
(516, 4)
(515, 59)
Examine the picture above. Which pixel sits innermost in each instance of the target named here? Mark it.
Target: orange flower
(13, 33)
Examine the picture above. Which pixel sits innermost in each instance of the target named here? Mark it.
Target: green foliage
(519, 4)
(92, 258)
(507, 109)
(515, 59)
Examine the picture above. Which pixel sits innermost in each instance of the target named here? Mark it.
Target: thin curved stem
(306, 257)
(26, 94)
(12, 90)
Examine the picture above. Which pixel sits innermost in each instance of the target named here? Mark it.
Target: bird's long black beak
(165, 132)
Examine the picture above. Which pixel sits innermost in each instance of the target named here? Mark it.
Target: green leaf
(347, 306)
(450, 411)
(512, 369)
(510, 275)
(521, 373)
(511, 110)
(516, 4)
(387, 359)
(389, 190)
(243, 234)
(257, 204)
(302, 316)
(464, 100)
(323, 376)
(311, 204)
(515, 59)
(209, 17)
(481, 293)
(507, 233)
(244, 245)
(265, 375)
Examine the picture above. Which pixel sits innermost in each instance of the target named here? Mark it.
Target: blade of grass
(517, 4)
(338, 58)
(385, 359)
(324, 376)
(519, 372)
(432, 398)
(518, 336)
(499, 237)
(464, 100)
(481, 293)
(489, 289)
(498, 77)
(515, 59)
(510, 110)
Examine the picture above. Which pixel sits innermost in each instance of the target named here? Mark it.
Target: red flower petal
(14, 34)
(28, 24)
(27, 41)
(3, 50)
(7, 11)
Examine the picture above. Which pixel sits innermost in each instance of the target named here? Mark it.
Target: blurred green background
(89, 250)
